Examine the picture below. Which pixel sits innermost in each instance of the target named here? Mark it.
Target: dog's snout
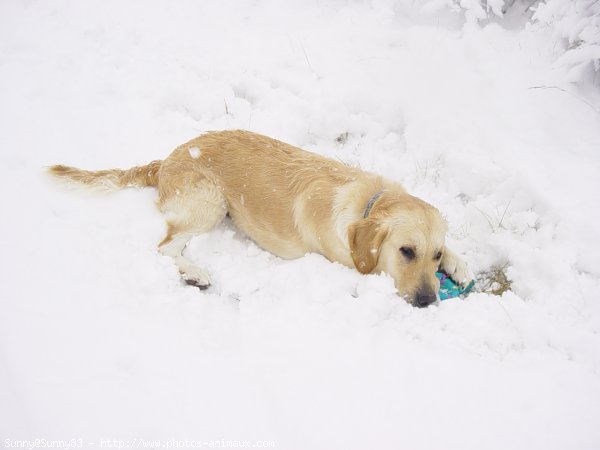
(424, 299)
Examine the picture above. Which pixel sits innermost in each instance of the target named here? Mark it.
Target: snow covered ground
(99, 339)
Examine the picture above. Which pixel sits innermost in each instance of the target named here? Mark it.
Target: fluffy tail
(113, 179)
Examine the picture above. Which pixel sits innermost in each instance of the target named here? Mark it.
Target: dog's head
(404, 237)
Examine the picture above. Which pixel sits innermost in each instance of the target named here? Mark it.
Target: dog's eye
(438, 256)
(407, 252)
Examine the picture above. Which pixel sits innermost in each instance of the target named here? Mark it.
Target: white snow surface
(99, 338)
(194, 152)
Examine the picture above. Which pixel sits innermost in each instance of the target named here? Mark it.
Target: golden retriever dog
(291, 202)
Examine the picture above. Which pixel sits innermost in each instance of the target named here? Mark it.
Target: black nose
(424, 300)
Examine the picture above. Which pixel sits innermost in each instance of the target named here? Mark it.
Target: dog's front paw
(455, 268)
(194, 276)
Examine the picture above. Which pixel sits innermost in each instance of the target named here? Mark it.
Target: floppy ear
(365, 237)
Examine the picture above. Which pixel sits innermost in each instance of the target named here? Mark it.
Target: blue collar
(371, 204)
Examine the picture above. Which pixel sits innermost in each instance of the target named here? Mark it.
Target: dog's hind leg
(189, 211)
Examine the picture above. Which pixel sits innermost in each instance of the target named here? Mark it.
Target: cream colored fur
(291, 202)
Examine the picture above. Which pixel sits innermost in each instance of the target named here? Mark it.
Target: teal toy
(449, 289)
